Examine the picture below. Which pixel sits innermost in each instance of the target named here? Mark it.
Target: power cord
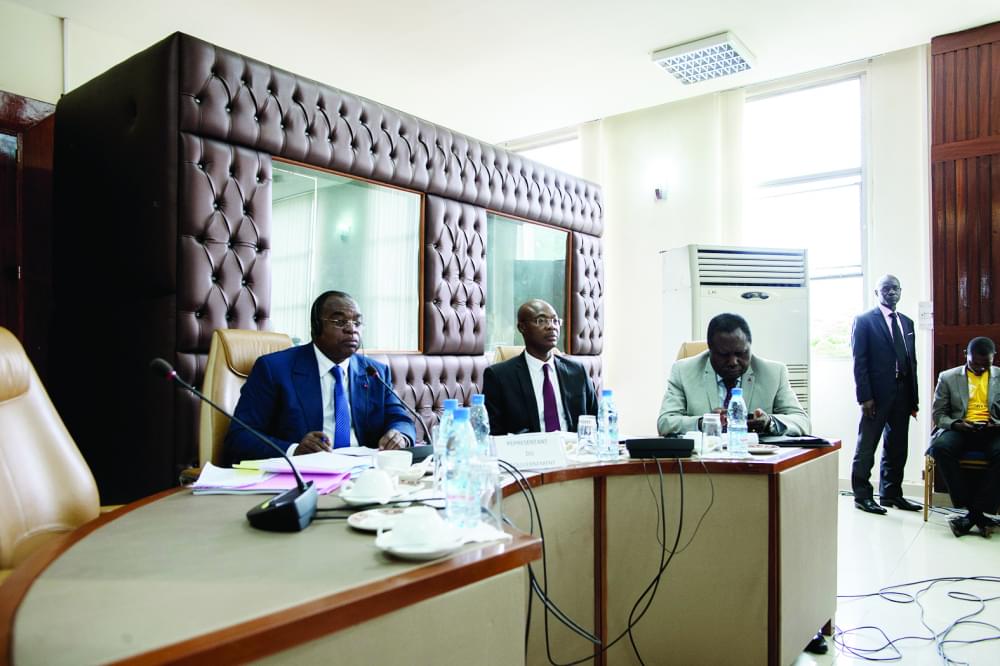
(895, 594)
(541, 590)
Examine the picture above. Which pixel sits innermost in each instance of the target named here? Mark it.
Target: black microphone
(292, 510)
(371, 371)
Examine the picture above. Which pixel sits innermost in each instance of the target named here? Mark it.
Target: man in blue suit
(319, 396)
(885, 378)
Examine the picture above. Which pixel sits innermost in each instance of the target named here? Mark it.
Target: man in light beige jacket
(702, 384)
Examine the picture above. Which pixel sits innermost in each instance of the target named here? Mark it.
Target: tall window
(805, 188)
(332, 232)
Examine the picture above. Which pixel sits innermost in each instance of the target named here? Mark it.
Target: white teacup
(419, 526)
(395, 462)
(371, 483)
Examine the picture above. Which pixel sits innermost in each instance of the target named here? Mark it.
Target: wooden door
(965, 190)
(27, 132)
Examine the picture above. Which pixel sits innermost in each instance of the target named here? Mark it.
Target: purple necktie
(549, 403)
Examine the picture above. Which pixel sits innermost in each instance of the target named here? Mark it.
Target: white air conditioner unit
(768, 287)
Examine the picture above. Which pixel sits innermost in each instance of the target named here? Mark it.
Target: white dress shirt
(326, 384)
(886, 312)
(538, 381)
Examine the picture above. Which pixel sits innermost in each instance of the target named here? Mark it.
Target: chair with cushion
(46, 487)
(230, 358)
(691, 348)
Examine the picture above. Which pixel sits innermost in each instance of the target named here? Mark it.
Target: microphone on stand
(292, 510)
(372, 372)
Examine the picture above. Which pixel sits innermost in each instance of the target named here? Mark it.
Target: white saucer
(373, 520)
(358, 500)
(764, 449)
(419, 552)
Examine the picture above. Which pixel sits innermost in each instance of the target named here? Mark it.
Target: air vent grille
(771, 268)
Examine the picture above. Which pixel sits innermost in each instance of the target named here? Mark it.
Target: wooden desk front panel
(567, 510)
(713, 597)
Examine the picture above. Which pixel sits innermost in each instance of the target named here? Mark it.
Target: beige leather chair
(691, 348)
(230, 358)
(507, 352)
(46, 488)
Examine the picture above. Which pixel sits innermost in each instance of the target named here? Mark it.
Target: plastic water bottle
(461, 507)
(607, 427)
(486, 467)
(441, 439)
(736, 419)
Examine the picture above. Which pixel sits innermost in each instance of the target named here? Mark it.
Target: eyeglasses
(342, 323)
(542, 322)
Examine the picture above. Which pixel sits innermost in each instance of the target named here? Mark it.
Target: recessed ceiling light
(704, 59)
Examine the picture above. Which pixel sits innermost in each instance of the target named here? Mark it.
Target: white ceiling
(513, 68)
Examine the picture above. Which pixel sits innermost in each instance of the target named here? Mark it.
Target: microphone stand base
(291, 511)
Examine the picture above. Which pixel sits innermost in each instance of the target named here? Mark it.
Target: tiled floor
(878, 551)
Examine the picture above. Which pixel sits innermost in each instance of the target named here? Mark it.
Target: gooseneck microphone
(292, 510)
(372, 372)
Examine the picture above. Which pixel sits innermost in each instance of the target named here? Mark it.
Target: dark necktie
(341, 412)
(902, 365)
(550, 409)
(729, 394)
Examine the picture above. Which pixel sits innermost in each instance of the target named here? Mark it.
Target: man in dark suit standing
(319, 396)
(537, 391)
(885, 378)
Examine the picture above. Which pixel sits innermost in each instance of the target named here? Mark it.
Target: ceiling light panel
(705, 59)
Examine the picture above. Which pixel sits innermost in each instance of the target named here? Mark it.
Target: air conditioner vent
(771, 268)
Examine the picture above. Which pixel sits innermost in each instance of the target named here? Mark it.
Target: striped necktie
(341, 412)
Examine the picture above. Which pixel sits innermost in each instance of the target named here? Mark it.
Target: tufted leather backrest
(425, 382)
(230, 359)
(691, 348)
(46, 487)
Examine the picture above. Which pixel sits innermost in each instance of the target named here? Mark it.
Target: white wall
(32, 61)
(693, 148)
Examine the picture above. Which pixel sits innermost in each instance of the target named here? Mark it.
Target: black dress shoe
(869, 505)
(899, 503)
(960, 525)
(817, 645)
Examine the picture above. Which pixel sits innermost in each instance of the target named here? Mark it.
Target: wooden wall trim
(965, 39)
(960, 150)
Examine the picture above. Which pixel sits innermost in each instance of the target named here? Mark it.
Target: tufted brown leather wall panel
(454, 277)
(232, 98)
(587, 295)
(425, 382)
(224, 225)
(163, 219)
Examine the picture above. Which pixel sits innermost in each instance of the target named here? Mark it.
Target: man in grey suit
(704, 383)
(966, 413)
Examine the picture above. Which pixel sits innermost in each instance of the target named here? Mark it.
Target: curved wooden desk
(177, 578)
(755, 572)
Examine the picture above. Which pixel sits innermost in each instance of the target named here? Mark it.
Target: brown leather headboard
(163, 188)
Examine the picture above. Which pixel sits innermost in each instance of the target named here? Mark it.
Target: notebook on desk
(805, 441)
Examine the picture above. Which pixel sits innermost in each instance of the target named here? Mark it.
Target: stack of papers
(351, 459)
(237, 481)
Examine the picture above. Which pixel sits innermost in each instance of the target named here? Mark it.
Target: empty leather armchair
(46, 487)
(230, 358)
(691, 348)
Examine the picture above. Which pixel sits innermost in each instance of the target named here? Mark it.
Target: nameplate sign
(535, 450)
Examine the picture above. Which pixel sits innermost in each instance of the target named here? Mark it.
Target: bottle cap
(461, 414)
(450, 404)
(478, 399)
(607, 393)
(737, 391)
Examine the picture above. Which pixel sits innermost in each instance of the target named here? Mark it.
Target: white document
(223, 477)
(535, 450)
(322, 462)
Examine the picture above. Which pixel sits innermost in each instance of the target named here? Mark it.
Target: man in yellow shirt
(967, 418)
